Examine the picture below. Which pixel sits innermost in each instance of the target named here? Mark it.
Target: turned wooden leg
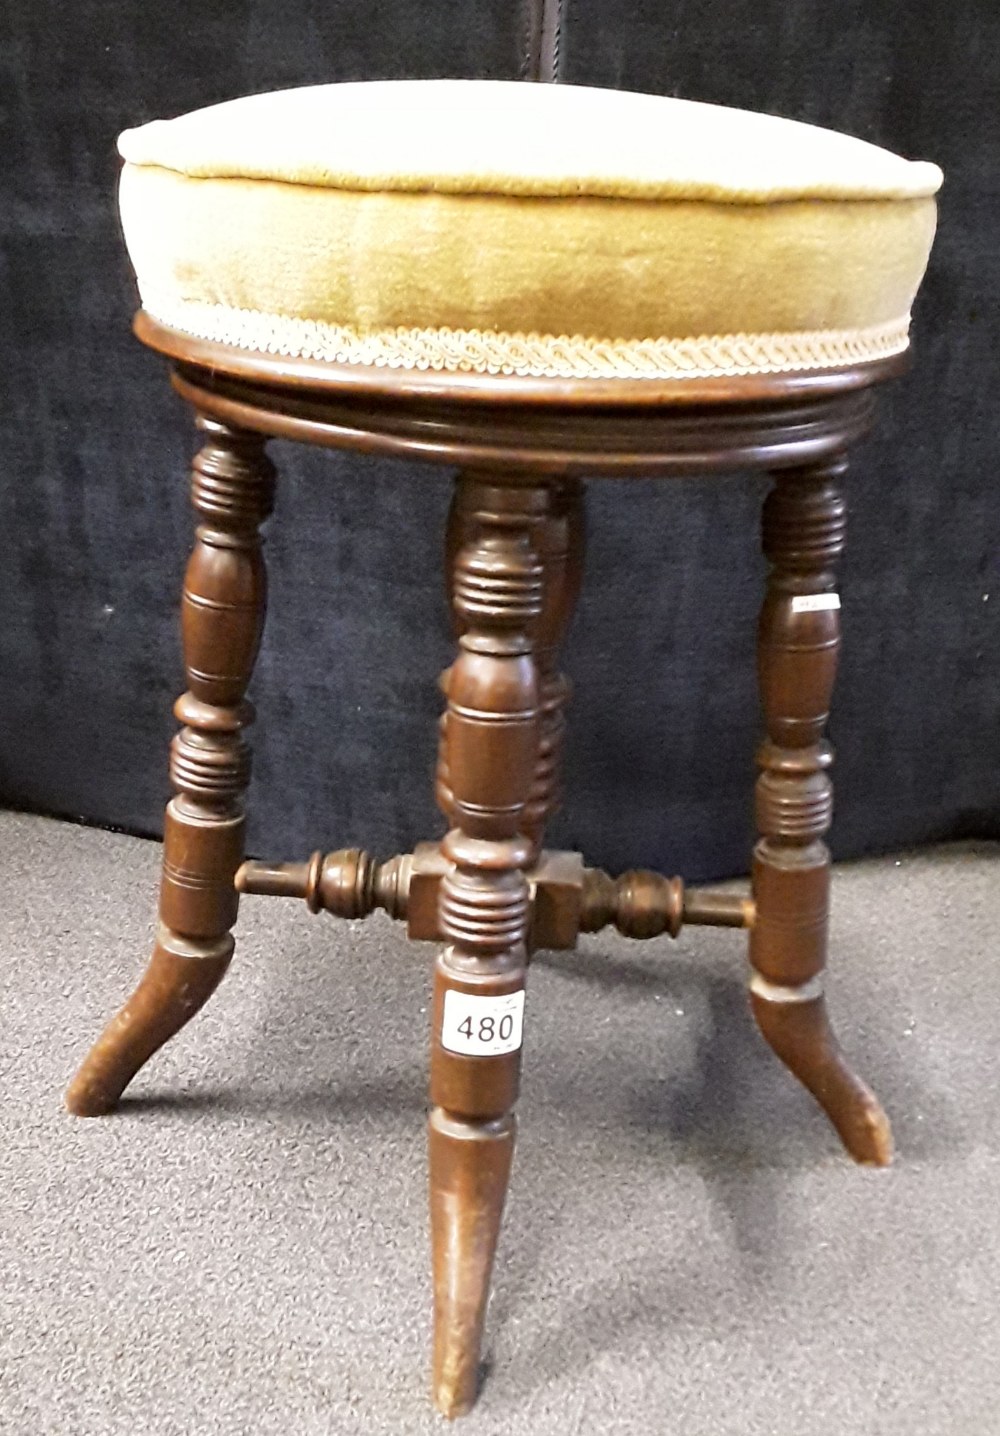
(221, 620)
(799, 636)
(558, 538)
(491, 738)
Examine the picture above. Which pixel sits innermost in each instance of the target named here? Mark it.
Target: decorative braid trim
(545, 356)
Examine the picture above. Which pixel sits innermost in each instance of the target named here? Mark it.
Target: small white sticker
(482, 1026)
(814, 602)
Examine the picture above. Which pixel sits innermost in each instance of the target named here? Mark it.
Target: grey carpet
(243, 1247)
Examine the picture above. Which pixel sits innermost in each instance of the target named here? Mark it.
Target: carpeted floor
(243, 1247)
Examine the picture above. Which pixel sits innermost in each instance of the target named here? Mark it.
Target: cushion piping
(531, 355)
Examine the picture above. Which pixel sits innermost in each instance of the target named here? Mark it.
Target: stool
(534, 285)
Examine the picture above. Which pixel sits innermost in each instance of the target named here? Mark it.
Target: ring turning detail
(490, 893)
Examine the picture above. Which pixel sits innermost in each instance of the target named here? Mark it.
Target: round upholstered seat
(496, 227)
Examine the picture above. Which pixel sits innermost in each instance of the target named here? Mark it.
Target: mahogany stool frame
(490, 892)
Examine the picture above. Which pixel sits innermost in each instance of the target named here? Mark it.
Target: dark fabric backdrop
(94, 524)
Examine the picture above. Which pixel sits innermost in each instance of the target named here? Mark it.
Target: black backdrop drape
(94, 523)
